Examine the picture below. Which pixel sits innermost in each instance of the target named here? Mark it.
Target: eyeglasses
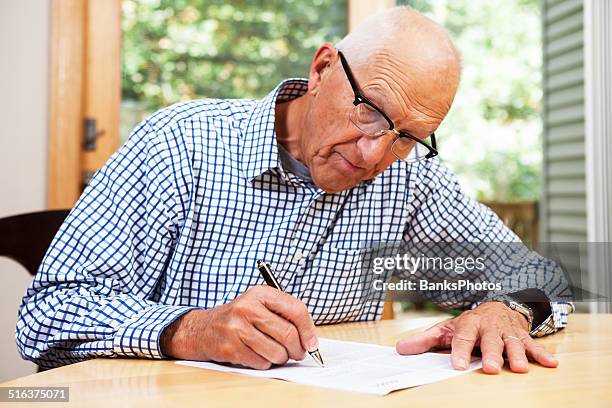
(372, 121)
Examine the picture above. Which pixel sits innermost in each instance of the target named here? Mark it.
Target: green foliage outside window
(175, 50)
(492, 136)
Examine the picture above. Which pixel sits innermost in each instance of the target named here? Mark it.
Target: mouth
(347, 165)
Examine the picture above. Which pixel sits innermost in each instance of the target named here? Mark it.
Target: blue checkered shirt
(177, 218)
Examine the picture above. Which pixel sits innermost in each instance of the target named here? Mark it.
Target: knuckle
(238, 306)
(253, 289)
(298, 308)
(236, 320)
(295, 309)
(520, 346)
(242, 308)
(514, 346)
(468, 324)
(288, 335)
(459, 340)
(302, 307)
(256, 291)
(497, 342)
(234, 325)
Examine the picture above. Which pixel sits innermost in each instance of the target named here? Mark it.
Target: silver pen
(266, 272)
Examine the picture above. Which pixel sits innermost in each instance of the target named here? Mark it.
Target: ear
(325, 56)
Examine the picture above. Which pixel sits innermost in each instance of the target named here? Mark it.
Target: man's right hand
(261, 327)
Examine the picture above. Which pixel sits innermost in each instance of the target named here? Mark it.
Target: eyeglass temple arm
(433, 149)
(359, 98)
(349, 75)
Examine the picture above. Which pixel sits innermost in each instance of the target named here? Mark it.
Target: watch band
(537, 301)
(522, 309)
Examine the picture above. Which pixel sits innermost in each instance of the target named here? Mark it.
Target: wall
(24, 56)
(563, 215)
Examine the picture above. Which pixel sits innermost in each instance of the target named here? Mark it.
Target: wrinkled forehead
(416, 100)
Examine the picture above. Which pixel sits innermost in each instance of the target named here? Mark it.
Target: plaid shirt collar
(259, 149)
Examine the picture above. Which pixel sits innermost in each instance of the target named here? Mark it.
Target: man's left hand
(495, 328)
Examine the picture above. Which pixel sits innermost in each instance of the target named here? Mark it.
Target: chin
(332, 190)
(331, 185)
(331, 179)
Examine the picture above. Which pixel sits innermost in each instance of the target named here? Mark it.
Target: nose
(373, 149)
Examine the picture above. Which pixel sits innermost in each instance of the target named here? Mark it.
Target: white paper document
(357, 367)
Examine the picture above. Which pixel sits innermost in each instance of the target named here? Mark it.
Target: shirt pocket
(341, 286)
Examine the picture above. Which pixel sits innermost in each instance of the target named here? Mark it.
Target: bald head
(396, 28)
(403, 63)
(412, 50)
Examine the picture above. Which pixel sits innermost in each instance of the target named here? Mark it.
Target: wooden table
(583, 378)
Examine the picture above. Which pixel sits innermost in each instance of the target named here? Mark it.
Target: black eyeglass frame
(360, 98)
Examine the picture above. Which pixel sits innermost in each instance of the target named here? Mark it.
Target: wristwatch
(522, 309)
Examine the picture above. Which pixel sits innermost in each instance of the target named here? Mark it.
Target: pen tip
(317, 357)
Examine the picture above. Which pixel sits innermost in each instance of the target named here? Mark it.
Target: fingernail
(461, 363)
(493, 364)
(313, 344)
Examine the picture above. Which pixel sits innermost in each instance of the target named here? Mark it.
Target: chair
(25, 238)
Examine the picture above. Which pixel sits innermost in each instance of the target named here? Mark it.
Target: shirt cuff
(556, 321)
(139, 336)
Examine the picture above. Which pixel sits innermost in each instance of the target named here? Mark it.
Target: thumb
(420, 343)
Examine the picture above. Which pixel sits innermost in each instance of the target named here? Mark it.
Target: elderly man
(157, 259)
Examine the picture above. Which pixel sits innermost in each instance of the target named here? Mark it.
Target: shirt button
(298, 256)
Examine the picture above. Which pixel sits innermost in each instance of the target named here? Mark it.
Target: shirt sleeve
(94, 292)
(441, 212)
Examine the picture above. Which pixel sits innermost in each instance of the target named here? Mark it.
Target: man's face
(337, 153)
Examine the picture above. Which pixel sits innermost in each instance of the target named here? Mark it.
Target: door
(85, 93)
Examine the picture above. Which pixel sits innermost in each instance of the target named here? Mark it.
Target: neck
(288, 124)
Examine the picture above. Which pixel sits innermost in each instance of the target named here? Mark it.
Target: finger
(515, 350)
(265, 346)
(422, 342)
(295, 311)
(245, 356)
(538, 353)
(282, 331)
(492, 348)
(466, 335)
